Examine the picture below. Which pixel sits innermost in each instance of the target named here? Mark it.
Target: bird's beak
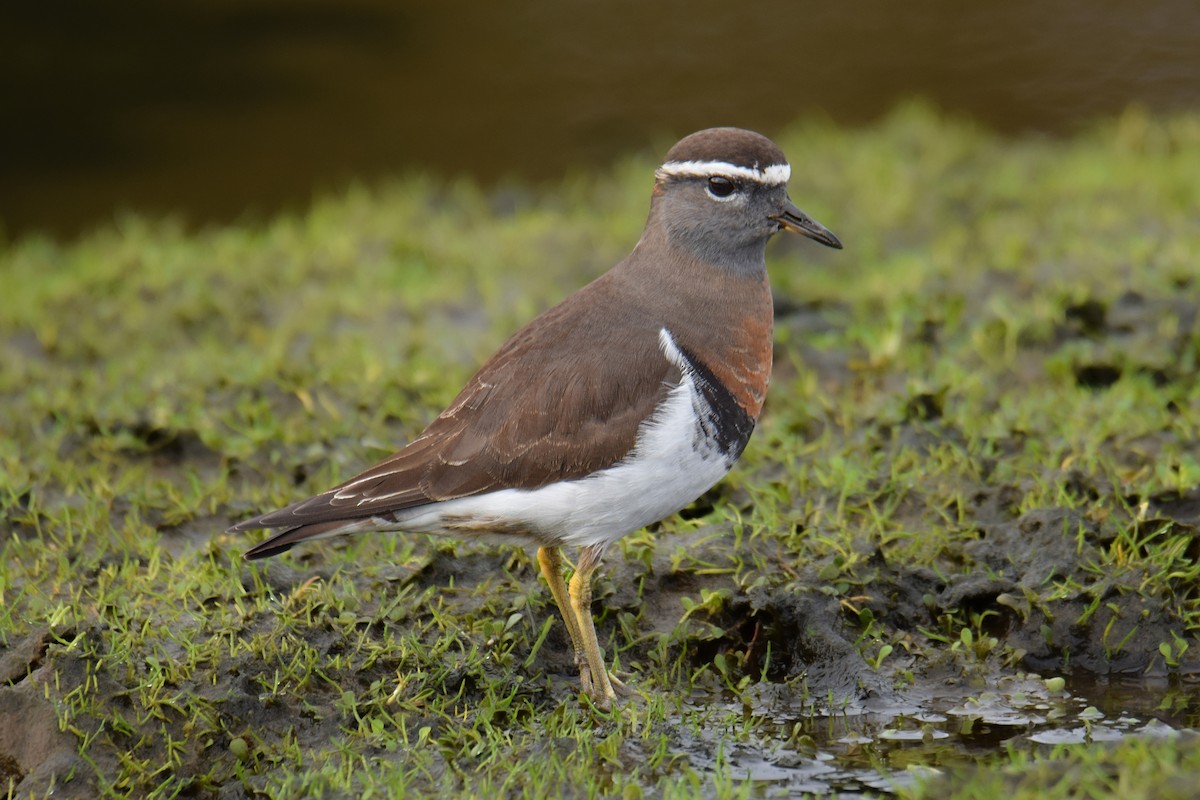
(794, 220)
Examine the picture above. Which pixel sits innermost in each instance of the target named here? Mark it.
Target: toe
(620, 688)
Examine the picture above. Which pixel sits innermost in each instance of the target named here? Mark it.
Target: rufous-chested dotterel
(610, 411)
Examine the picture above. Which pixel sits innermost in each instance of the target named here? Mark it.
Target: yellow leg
(575, 605)
(595, 678)
(550, 560)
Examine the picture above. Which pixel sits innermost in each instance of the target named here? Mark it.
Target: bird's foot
(619, 686)
(602, 693)
(599, 692)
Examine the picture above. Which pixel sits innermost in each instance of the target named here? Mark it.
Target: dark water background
(218, 109)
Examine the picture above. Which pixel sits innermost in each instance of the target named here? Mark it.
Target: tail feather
(287, 539)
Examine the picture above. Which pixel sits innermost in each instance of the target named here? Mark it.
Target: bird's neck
(743, 260)
(721, 310)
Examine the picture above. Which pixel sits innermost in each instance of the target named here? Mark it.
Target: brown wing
(564, 397)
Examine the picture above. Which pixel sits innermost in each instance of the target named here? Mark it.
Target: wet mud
(828, 717)
(976, 644)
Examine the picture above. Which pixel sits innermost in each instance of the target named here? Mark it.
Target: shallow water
(879, 744)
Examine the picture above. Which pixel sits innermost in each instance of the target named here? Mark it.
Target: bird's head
(722, 193)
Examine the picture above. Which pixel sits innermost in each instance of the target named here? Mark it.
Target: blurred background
(228, 110)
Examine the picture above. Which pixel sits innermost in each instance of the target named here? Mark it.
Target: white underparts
(670, 465)
(772, 175)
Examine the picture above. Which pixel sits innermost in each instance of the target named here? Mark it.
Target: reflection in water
(879, 744)
(218, 107)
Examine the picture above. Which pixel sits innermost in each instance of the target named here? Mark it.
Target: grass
(979, 455)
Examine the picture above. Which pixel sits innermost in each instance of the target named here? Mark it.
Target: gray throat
(745, 256)
(747, 259)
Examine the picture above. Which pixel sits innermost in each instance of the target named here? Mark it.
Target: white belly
(672, 463)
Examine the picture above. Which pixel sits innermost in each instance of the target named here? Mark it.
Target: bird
(610, 411)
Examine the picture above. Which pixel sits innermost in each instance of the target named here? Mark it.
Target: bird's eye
(721, 188)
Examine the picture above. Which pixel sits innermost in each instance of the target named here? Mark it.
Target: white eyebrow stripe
(774, 175)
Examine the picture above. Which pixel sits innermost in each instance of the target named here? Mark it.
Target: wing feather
(552, 404)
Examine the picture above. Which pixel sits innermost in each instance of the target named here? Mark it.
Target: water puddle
(878, 745)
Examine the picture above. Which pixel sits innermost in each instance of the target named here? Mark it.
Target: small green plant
(987, 433)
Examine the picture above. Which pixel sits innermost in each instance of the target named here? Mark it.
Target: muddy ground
(1032, 579)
